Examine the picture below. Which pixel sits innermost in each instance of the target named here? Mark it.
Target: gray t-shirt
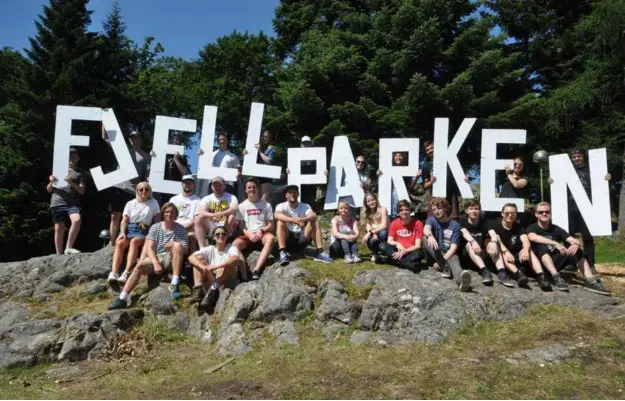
(161, 236)
(67, 196)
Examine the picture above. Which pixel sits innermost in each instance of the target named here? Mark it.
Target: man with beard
(187, 203)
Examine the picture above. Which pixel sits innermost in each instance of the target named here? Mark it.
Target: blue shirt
(446, 233)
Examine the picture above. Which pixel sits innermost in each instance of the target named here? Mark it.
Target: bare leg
(200, 231)
(118, 254)
(133, 250)
(133, 280)
(281, 233)
(114, 226)
(177, 258)
(548, 263)
(74, 229)
(240, 245)
(193, 246)
(477, 259)
(537, 267)
(318, 235)
(268, 241)
(59, 234)
(310, 230)
(231, 224)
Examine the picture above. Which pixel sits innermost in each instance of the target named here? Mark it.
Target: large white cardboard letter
(295, 157)
(161, 148)
(395, 174)
(250, 165)
(205, 169)
(596, 214)
(444, 155)
(343, 160)
(126, 170)
(489, 164)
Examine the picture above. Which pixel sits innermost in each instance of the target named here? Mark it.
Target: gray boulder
(232, 340)
(158, 301)
(284, 332)
(334, 305)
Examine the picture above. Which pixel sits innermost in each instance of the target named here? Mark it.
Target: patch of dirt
(231, 390)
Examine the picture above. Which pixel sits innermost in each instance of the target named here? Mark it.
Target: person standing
(266, 155)
(222, 157)
(65, 203)
(516, 185)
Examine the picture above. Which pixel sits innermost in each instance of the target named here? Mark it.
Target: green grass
(609, 250)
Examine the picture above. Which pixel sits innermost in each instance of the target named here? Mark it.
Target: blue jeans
(374, 244)
(341, 247)
(59, 213)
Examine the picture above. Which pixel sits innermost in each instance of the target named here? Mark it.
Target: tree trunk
(621, 202)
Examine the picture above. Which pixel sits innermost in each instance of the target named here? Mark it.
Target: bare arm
(267, 227)
(416, 246)
(335, 230)
(539, 239)
(573, 241)
(517, 182)
(278, 215)
(151, 251)
(453, 248)
(467, 235)
(526, 242)
(391, 241)
(123, 226)
(384, 222)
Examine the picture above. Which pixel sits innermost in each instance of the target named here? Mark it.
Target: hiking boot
(446, 272)
(255, 275)
(356, 258)
(560, 284)
(569, 270)
(210, 300)
(543, 283)
(521, 278)
(175, 291)
(118, 304)
(124, 277)
(464, 284)
(593, 285)
(503, 278)
(487, 277)
(323, 257)
(197, 295)
(349, 258)
(284, 258)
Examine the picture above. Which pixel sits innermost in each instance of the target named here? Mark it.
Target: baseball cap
(188, 177)
(134, 133)
(219, 179)
(306, 139)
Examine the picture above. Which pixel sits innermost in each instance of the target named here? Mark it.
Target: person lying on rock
(217, 209)
(345, 233)
(256, 218)
(165, 248)
(213, 267)
(560, 251)
(403, 247)
(441, 240)
(509, 246)
(472, 229)
(296, 226)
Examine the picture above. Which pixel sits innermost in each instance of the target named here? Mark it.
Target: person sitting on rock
(376, 219)
(165, 248)
(472, 229)
(296, 226)
(345, 233)
(138, 215)
(256, 217)
(65, 203)
(187, 203)
(217, 209)
(441, 240)
(213, 267)
(549, 243)
(403, 247)
(510, 246)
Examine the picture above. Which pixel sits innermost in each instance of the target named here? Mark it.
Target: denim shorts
(136, 231)
(60, 213)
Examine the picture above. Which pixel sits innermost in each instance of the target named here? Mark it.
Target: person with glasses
(398, 160)
(559, 251)
(516, 185)
(510, 246)
(365, 184)
(165, 248)
(403, 247)
(138, 215)
(214, 266)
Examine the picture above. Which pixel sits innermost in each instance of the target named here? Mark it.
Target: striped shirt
(162, 236)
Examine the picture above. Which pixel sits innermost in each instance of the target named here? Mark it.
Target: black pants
(578, 225)
(410, 261)
(560, 261)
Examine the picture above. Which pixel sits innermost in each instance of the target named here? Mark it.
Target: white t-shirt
(218, 204)
(212, 256)
(141, 212)
(255, 215)
(187, 206)
(226, 159)
(299, 212)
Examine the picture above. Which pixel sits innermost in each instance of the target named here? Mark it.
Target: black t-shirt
(171, 169)
(554, 233)
(509, 191)
(428, 168)
(477, 230)
(583, 173)
(510, 238)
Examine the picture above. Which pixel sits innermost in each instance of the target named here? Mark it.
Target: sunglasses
(143, 190)
(545, 212)
(219, 235)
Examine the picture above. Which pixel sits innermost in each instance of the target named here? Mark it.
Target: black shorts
(115, 199)
(525, 267)
(560, 261)
(296, 241)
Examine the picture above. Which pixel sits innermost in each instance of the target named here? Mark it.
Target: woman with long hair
(516, 185)
(376, 219)
(138, 216)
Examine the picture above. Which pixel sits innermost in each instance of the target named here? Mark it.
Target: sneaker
(124, 277)
(197, 295)
(569, 270)
(543, 283)
(356, 258)
(503, 278)
(71, 251)
(560, 284)
(595, 286)
(255, 275)
(323, 257)
(284, 258)
(522, 279)
(349, 258)
(464, 284)
(118, 304)
(210, 300)
(175, 291)
(379, 259)
(446, 273)
(374, 259)
(487, 277)
(113, 281)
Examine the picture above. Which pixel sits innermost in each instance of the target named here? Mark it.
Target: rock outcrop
(400, 307)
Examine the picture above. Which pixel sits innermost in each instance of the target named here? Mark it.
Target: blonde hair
(146, 185)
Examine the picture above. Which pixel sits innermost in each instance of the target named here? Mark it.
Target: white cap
(188, 177)
(306, 139)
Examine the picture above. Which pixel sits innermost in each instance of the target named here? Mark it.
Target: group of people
(155, 239)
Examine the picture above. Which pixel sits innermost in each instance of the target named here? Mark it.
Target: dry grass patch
(69, 303)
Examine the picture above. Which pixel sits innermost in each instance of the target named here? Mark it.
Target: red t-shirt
(406, 235)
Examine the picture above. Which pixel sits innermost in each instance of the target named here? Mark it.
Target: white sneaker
(356, 258)
(124, 277)
(465, 281)
(348, 258)
(71, 251)
(112, 277)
